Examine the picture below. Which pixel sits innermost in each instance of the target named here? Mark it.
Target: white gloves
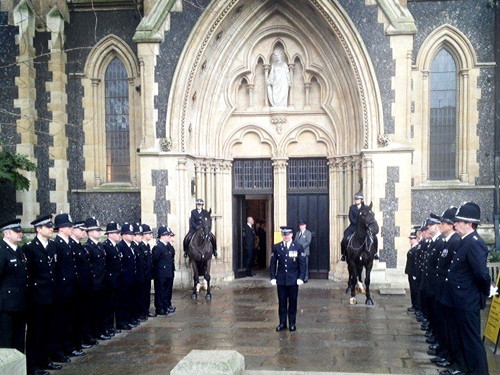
(273, 282)
(299, 282)
(493, 291)
(414, 278)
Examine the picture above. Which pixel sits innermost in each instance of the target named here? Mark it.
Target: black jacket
(410, 260)
(128, 264)
(444, 260)
(163, 260)
(13, 278)
(113, 265)
(140, 266)
(249, 238)
(287, 265)
(148, 260)
(468, 281)
(65, 268)
(85, 274)
(41, 272)
(195, 219)
(98, 259)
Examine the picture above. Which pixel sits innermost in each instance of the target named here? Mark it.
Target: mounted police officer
(287, 270)
(40, 254)
(465, 289)
(13, 287)
(353, 220)
(164, 271)
(194, 222)
(113, 274)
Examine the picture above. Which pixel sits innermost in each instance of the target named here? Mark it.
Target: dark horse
(200, 251)
(361, 249)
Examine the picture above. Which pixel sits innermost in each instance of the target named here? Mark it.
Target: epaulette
(475, 237)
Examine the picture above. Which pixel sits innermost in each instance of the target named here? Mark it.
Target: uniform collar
(11, 245)
(43, 241)
(467, 234)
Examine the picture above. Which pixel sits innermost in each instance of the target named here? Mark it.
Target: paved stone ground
(331, 335)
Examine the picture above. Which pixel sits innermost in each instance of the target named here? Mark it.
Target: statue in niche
(278, 82)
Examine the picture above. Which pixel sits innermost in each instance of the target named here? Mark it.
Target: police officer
(465, 289)
(98, 260)
(140, 274)
(144, 245)
(411, 272)
(112, 278)
(194, 222)
(64, 306)
(124, 318)
(287, 270)
(40, 255)
(13, 287)
(84, 287)
(163, 271)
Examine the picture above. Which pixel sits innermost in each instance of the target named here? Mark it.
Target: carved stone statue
(278, 81)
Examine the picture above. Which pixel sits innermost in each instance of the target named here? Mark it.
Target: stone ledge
(12, 362)
(216, 362)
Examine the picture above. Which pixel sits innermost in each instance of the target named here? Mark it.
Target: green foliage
(493, 256)
(11, 164)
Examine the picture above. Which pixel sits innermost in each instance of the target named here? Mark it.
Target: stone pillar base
(215, 362)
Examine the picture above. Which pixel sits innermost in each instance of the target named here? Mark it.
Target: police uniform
(98, 261)
(163, 273)
(124, 317)
(112, 278)
(287, 269)
(148, 273)
(84, 291)
(13, 291)
(353, 221)
(465, 289)
(411, 272)
(140, 277)
(41, 288)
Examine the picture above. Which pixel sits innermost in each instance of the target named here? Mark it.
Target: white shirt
(43, 241)
(12, 246)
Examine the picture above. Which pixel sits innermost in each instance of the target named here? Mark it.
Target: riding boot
(214, 244)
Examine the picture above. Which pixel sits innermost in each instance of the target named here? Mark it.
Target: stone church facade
(133, 109)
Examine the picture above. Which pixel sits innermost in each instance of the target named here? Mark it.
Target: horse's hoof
(208, 296)
(352, 301)
(369, 302)
(194, 296)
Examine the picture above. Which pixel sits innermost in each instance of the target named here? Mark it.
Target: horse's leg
(207, 277)
(368, 269)
(349, 270)
(352, 282)
(196, 278)
(359, 281)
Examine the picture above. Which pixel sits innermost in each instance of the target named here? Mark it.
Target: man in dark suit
(124, 318)
(304, 237)
(163, 271)
(249, 243)
(287, 270)
(113, 271)
(84, 288)
(410, 271)
(13, 290)
(465, 290)
(98, 260)
(147, 234)
(63, 319)
(40, 254)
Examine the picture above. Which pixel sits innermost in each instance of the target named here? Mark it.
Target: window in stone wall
(117, 123)
(443, 117)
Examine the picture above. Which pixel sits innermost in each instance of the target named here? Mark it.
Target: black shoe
(444, 364)
(162, 312)
(437, 359)
(342, 258)
(451, 372)
(292, 328)
(419, 313)
(434, 347)
(376, 257)
(431, 340)
(52, 366)
(142, 319)
(125, 327)
(171, 309)
(109, 333)
(428, 334)
(151, 315)
(250, 275)
(93, 341)
(133, 323)
(85, 346)
(104, 337)
(39, 371)
(421, 319)
(280, 327)
(425, 327)
(432, 352)
(61, 358)
(411, 309)
(77, 353)
(116, 330)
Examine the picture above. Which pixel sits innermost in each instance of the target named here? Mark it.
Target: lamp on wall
(193, 187)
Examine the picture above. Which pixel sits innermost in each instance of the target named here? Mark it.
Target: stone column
(333, 192)
(280, 191)
(250, 89)
(425, 127)
(291, 104)
(226, 204)
(147, 53)
(267, 67)
(97, 167)
(57, 106)
(24, 19)
(463, 135)
(307, 88)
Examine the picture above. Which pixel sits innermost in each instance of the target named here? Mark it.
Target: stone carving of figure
(278, 81)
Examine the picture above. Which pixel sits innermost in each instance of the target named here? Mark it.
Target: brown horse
(361, 250)
(200, 250)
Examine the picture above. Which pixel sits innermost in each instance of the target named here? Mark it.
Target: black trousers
(146, 297)
(62, 335)
(123, 314)
(38, 335)
(471, 355)
(12, 329)
(163, 293)
(250, 254)
(414, 292)
(100, 302)
(441, 329)
(287, 303)
(83, 317)
(111, 308)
